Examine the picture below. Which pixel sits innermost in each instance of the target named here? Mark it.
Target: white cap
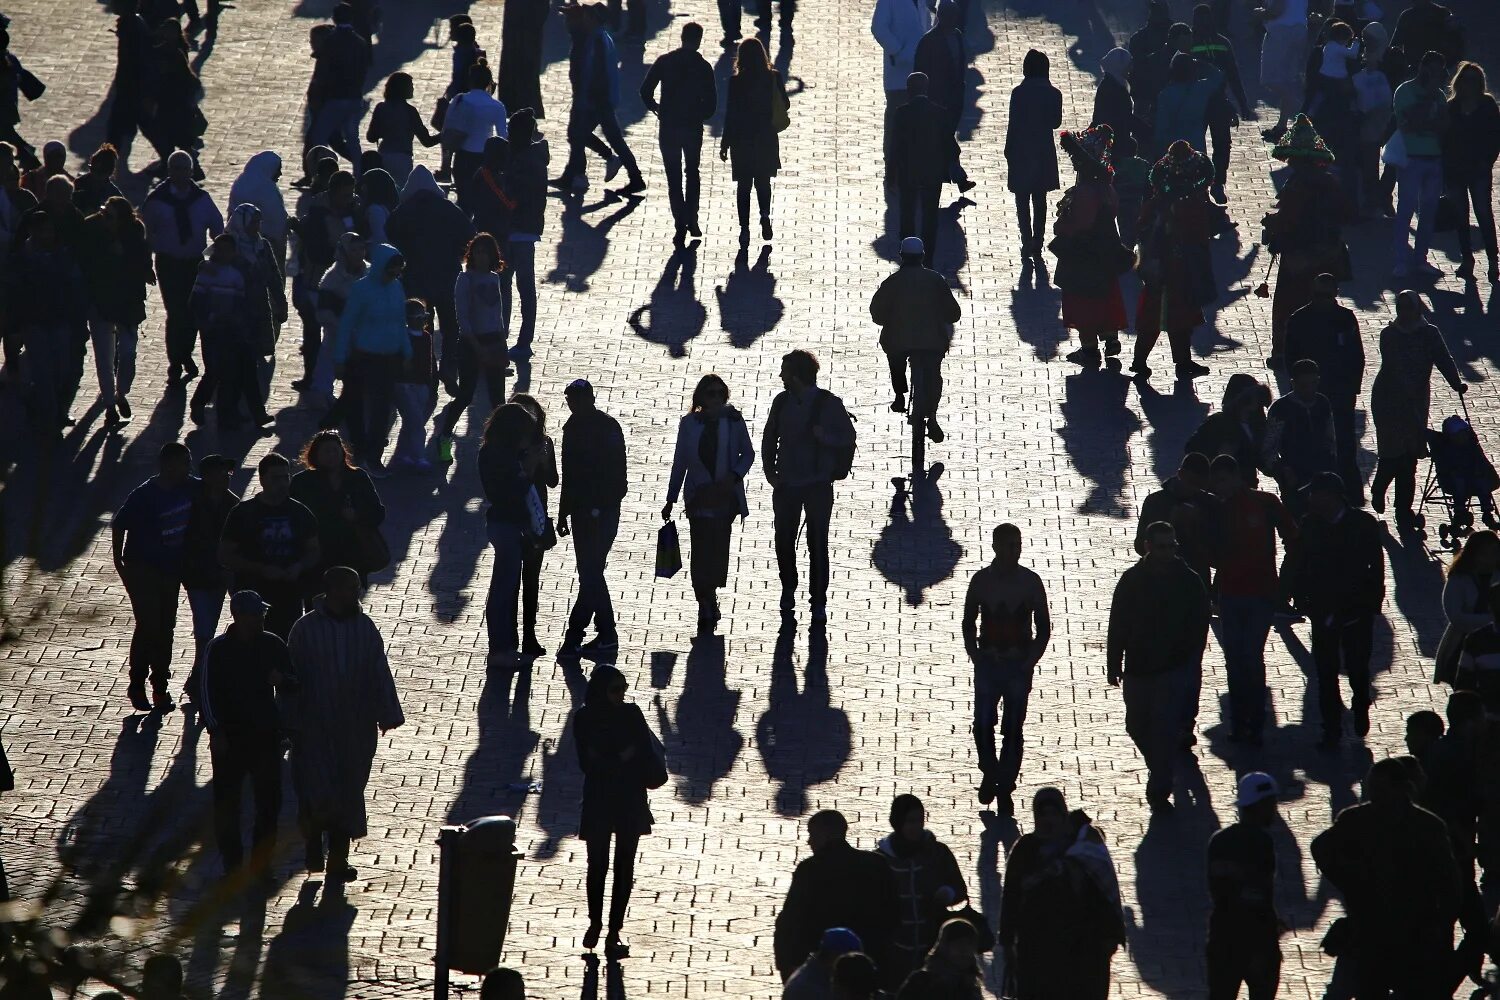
(1257, 786)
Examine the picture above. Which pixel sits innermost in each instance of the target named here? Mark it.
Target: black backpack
(843, 458)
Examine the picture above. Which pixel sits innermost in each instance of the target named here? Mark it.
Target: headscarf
(315, 156)
(377, 187)
(420, 182)
(604, 677)
(240, 220)
(1376, 40)
(901, 806)
(1301, 141)
(1116, 63)
(1092, 856)
(257, 186)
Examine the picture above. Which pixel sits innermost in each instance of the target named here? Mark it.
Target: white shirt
(1336, 60)
(479, 116)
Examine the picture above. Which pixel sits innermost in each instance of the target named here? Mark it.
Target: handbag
(1394, 154)
(537, 530)
(374, 552)
(781, 117)
(668, 551)
(440, 112)
(986, 939)
(655, 766)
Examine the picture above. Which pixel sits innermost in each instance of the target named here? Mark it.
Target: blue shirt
(155, 519)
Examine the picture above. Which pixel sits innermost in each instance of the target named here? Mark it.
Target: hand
(945, 895)
(724, 153)
(1114, 678)
(1463, 387)
(562, 526)
(348, 514)
(666, 512)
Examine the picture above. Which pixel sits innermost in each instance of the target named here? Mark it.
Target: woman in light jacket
(1466, 602)
(713, 456)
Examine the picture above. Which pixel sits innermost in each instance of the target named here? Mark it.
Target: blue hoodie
(374, 319)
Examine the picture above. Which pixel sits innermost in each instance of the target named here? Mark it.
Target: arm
(880, 304)
(117, 542)
(570, 459)
(790, 943)
(970, 626)
(1120, 613)
(769, 439)
(648, 87)
(744, 452)
(1444, 360)
(1458, 598)
(679, 468)
(837, 426)
(1043, 620)
(708, 92)
(376, 131)
(1054, 118)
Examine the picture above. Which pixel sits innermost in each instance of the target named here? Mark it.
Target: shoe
(898, 405)
(265, 418)
(1287, 615)
(1217, 194)
(1377, 502)
(1361, 720)
(964, 187)
(615, 948)
(744, 236)
(1406, 520)
(599, 650)
(788, 600)
(174, 375)
(519, 353)
(569, 654)
(138, 700)
(591, 937)
(123, 406)
(302, 384)
(637, 184)
(612, 168)
(579, 184)
(820, 612)
(340, 874)
(765, 229)
(1162, 807)
(1111, 347)
(1466, 269)
(986, 792)
(190, 371)
(934, 432)
(531, 647)
(1089, 357)
(162, 701)
(562, 182)
(111, 416)
(679, 236)
(1189, 741)
(1191, 369)
(315, 855)
(1427, 269)
(694, 231)
(1274, 133)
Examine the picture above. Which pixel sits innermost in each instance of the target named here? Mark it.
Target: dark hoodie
(617, 754)
(1223, 433)
(488, 202)
(921, 869)
(432, 233)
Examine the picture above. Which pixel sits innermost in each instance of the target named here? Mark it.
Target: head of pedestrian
(1180, 39)
(1036, 64)
(216, 471)
(480, 76)
(912, 250)
(327, 453)
(607, 689)
(916, 85)
(1389, 783)
(389, 261)
(909, 819)
(1411, 312)
(503, 984)
(1423, 730)
(1049, 813)
(275, 475)
(1325, 496)
(461, 29)
(57, 194)
(1183, 68)
(418, 315)
(692, 36)
(223, 250)
(341, 191)
(340, 591)
(1432, 70)
(826, 828)
(1256, 798)
(161, 978)
(799, 371)
(510, 427)
(9, 175)
(750, 59)
(248, 609)
(483, 255)
(1325, 289)
(1203, 21)
(1469, 83)
(710, 396)
(104, 160)
(855, 977)
(1161, 542)
(1305, 378)
(180, 168)
(523, 128)
(837, 941)
(174, 463)
(1006, 542)
(343, 15)
(580, 396)
(1159, 13)
(1224, 475)
(957, 947)
(1465, 715)
(54, 156)
(1193, 471)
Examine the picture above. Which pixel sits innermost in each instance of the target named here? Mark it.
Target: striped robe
(345, 694)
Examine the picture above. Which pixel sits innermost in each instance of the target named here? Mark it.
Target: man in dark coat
(689, 97)
(594, 481)
(1147, 71)
(923, 151)
(1185, 503)
(839, 886)
(132, 53)
(1328, 333)
(1300, 441)
(941, 56)
(432, 233)
(916, 310)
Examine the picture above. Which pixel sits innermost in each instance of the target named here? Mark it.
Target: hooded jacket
(257, 186)
(374, 319)
(338, 281)
(431, 232)
(898, 25)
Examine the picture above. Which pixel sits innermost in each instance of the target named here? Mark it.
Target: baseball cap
(1257, 786)
(840, 941)
(248, 602)
(912, 244)
(579, 385)
(214, 463)
(1326, 482)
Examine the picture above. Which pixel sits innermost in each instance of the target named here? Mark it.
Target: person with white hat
(1243, 928)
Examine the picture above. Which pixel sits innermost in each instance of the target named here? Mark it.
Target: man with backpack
(807, 445)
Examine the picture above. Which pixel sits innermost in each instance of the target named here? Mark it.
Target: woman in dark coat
(1030, 152)
(1176, 271)
(928, 881)
(1113, 103)
(617, 753)
(116, 264)
(1090, 257)
(343, 500)
(520, 82)
(754, 116)
(1471, 144)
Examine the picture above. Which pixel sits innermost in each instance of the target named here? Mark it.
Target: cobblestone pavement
(762, 727)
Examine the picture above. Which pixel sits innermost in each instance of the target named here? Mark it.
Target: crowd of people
(404, 280)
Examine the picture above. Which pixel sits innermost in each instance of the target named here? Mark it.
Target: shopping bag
(668, 551)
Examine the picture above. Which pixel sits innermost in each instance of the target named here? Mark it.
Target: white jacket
(735, 456)
(898, 25)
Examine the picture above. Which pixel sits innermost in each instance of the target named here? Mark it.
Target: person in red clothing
(1176, 271)
(1245, 554)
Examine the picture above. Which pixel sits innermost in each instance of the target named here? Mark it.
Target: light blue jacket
(374, 319)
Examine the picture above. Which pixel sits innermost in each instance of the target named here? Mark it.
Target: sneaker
(898, 405)
(934, 432)
(111, 416)
(1086, 356)
(138, 700)
(1191, 369)
(1217, 194)
(1162, 807)
(162, 701)
(519, 353)
(615, 947)
(1428, 269)
(637, 184)
(694, 231)
(612, 168)
(599, 650)
(123, 405)
(965, 186)
(765, 229)
(1361, 720)
(1111, 347)
(531, 647)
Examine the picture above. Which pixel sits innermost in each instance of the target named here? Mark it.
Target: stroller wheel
(1447, 538)
(1490, 520)
(1419, 522)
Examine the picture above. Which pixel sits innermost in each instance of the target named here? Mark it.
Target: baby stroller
(1460, 473)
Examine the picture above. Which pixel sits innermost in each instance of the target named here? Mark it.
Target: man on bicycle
(916, 311)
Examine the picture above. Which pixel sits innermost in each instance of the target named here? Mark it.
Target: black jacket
(922, 144)
(525, 183)
(1338, 568)
(1158, 619)
(432, 233)
(237, 694)
(343, 62)
(1328, 335)
(1300, 437)
(1394, 866)
(505, 483)
(593, 463)
(1113, 106)
(941, 55)
(689, 96)
(840, 886)
(1194, 515)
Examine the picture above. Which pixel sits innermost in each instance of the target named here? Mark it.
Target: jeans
(681, 152)
(593, 537)
(1343, 642)
(175, 277)
(338, 118)
(520, 267)
(619, 898)
(505, 587)
(581, 124)
(730, 12)
(926, 372)
(413, 404)
(238, 755)
(55, 356)
(1402, 470)
(207, 605)
(1236, 957)
(788, 504)
(1002, 687)
(369, 385)
(153, 602)
(762, 187)
(531, 587)
(323, 369)
(1031, 211)
(923, 197)
(470, 371)
(1244, 623)
(114, 357)
(1420, 187)
(1153, 720)
(1478, 190)
(709, 556)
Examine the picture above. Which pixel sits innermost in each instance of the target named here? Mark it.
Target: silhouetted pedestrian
(594, 482)
(116, 264)
(898, 27)
(525, 185)
(473, 118)
(344, 502)
(594, 70)
(923, 151)
(813, 979)
(1031, 151)
(916, 310)
(1300, 440)
(1327, 333)
(1090, 256)
(544, 477)
(1466, 603)
(180, 219)
(1175, 266)
(928, 881)
(480, 347)
(270, 541)
(1187, 504)
(755, 113)
(132, 58)
(395, 125)
(942, 57)
(16, 82)
(338, 86)
(519, 79)
(689, 97)
(1471, 144)
(1421, 111)
(950, 971)
(371, 345)
(508, 462)
(203, 578)
(1243, 927)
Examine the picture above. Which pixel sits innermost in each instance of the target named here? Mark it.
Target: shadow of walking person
(1173, 420)
(562, 780)
(310, 957)
(916, 550)
(704, 744)
(506, 741)
(803, 740)
(748, 306)
(674, 315)
(1035, 312)
(1096, 433)
(583, 244)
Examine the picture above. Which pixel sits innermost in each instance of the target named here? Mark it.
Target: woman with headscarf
(1090, 257)
(378, 195)
(619, 757)
(1400, 398)
(344, 502)
(116, 265)
(265, 288)
(755, 112)
(257, 185)
(928, 881)
(951, 969)
(1176, 270)
(1030, 155)
(1113, 104)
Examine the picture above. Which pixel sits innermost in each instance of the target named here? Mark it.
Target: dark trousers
(1345, 441)
(1219, 133)
(285, 600)
(54, 355)
(763, 13)
(1476, 189)
(582, 121)
(465, 165)
(681, 151)
(619, 898)
(236, 756)
(447, 331)
(520, 267)
(1244, 624)
(531, 587)
(1031, 212)
(124, 115)
(1402, 470)
(926, 371)
(593, 537)
(1002, 689)
(369, 389)
(923, 197)
(505, 587)
(175, 277)
(231, 376)
(762, 187)
(1181, 342)
(1343, 644)
(1239, 957)
(730, 12)
(469, 373)
(153, 602)
(788, 504)
(709, 555)
(1153, 720)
